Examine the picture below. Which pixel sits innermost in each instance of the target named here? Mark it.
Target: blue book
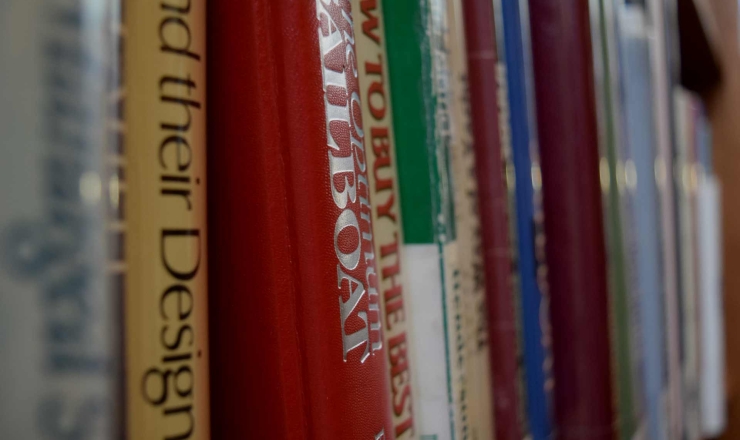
(641, 187)
(516, 81)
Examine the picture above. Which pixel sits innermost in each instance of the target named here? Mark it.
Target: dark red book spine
(493, 204)
(574, 226)
(296, 348)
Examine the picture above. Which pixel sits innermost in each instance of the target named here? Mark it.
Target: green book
(418, 47)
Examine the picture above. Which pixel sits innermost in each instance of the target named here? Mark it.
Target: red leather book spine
(574, 226)
(492, 196)
(295, 319)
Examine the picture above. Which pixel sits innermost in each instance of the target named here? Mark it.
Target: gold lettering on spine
(166, 312)
(358, 295)
(376, 112)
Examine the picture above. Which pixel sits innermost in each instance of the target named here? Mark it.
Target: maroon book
(493, 204)
(574, 226)
(295, 330)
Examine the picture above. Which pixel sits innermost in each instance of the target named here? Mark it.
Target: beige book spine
(388, 234)
(477, 370)
(166, 327)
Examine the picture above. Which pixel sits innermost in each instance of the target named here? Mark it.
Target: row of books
(355, 219)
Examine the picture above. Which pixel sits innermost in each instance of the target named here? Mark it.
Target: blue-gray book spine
(640, 183)
(61, 225)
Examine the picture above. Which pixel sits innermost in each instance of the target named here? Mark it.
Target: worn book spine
(474, 319)
(512, 26)
(489, 117)
(380, 148)
(166, 296)
(419, 66)
(60, 269)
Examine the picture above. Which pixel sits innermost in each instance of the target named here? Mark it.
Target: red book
(493, 203)
(296, 344)
(574, 225)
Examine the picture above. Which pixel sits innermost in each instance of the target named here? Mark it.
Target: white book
(712, 396)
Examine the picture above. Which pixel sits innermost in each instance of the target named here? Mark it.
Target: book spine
(342, 349)
(58, 268)
(491, 172)
(664, 170)
(293, 209)
(478, 397)
(57, 302)
(418, 48)
(254, 349)
(709, 255)
(574, 221)
(611, 169)
(165, 147)
(377, 115)
(641, 186)
(509, 174)
(685, 183)
(626, 179)
(514, 49)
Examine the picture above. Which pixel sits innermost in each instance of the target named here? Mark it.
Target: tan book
(380, 149)
(476, 369)
(166, 328)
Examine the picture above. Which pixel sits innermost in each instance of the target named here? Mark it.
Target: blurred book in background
(62, 222)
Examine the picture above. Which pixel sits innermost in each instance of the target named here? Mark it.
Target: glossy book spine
(419, 66)
(298, 350)
(377, 115)
(59, 272)
(166, 296)
(490, 127)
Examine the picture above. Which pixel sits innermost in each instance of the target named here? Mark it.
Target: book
(296, 320)
(488, 104)
(574, 221)
(419, 67)
(166, 294)
(685, 176)
(61, 271)
(721, 106)
(660, 56)
(641, 185)
(712, 399)
(515, 71)
(377, 112)
(478, 398)
(618, 226)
